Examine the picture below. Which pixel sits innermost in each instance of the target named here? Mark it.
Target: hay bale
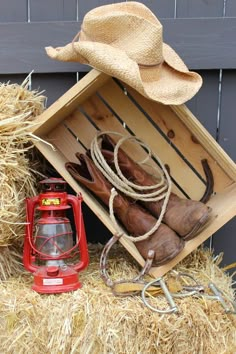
(18, 107)
(11, 261)
(93, 320)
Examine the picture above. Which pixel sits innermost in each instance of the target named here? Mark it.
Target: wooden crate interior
(100, 103)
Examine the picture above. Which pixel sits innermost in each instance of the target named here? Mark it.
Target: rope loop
(156, 192)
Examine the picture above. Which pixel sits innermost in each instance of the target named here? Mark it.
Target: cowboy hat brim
(169, 82)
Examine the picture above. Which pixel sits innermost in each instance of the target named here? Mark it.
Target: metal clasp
(161, 283)
(195, 290)
(218, 296)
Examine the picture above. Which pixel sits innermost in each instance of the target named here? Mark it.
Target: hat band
(151, 65)
(77, 39)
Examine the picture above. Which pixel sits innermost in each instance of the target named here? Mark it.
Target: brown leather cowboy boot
(137, 221)
(184, 216)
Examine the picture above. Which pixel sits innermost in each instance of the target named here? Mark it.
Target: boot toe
(164, 242)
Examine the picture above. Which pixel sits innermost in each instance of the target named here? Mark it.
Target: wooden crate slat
(144, 130)
(106, 121)
(224, 208)
(223, 205)
(77, 122)
(211, 146)
(58, 160)
(166, 120)
(64, 141)
(67, 103)
(81, 126)
(95, 103)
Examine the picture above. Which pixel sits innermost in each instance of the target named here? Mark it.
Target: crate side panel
(223, 204)
(143, 129)
(65, 142)
(81, 127)
(224, 207)
(58, 160)
(105, 121)
(183, 139)
(67, 103)
(205, 139)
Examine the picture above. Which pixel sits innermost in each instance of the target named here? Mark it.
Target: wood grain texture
(13, 11)
(204, 105)
(54, 85)
(53, 10)
(230, 9)
(223, 210)
(202, 44)
(181, 137)
(161, 8)
(199, 8)
(68, 102)
(206, 43)
(144, 130)
(85, 6)
(211, 146)
(227, 129)
(67, 127)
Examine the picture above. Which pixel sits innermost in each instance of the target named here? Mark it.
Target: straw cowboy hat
(124, 40)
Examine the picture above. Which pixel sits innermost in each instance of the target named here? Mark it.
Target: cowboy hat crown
(125, 40)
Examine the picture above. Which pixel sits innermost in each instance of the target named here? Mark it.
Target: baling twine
(161, 191)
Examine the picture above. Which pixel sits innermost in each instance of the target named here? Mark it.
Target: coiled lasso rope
(161, 191)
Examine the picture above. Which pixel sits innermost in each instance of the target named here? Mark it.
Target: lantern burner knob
(52, 271)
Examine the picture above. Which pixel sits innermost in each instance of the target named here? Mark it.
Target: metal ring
(167, 294)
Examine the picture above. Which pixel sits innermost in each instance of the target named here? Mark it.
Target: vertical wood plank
(199, 8)
(227, 126)
(12, 79)
(54, 85)
(13, 11)
(224, 241)
(53, 10)
(86, 6)
(230, 10)
(161, 8)
(204, 104)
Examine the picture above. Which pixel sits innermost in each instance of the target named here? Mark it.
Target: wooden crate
(173, 133)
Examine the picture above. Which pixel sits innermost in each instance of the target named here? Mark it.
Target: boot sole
(169, 258)
(199, 226)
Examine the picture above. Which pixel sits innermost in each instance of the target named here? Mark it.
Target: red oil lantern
(51, 252)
